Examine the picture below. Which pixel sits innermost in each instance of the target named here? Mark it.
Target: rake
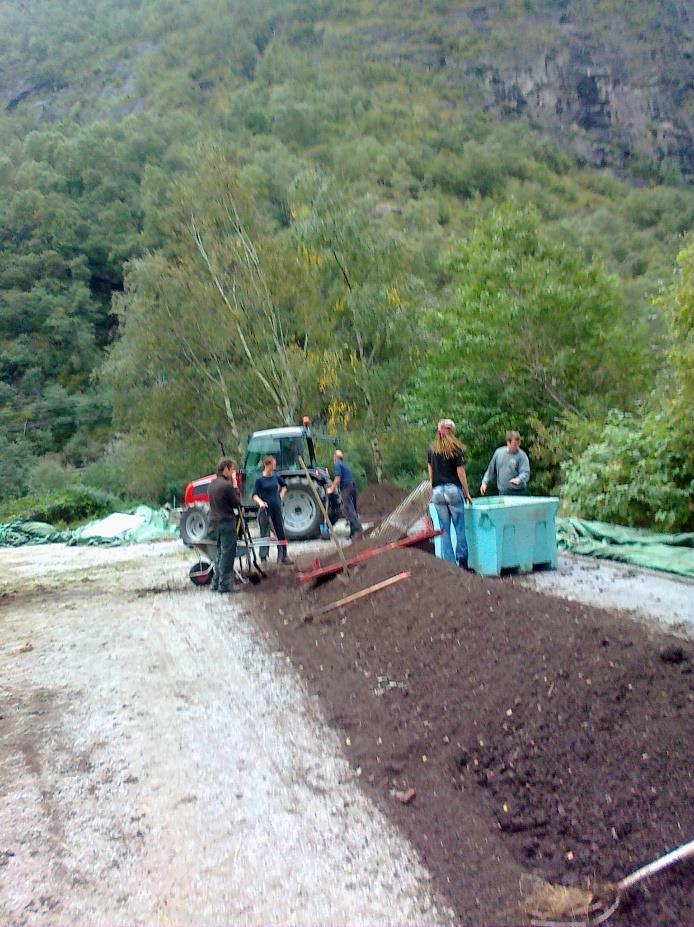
(559, 906)
(405, 517)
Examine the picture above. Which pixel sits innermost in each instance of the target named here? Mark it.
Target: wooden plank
(355, 596)
(318, 571)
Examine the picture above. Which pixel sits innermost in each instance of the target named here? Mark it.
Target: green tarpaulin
(135, 527)
(672, 553)
(18, 533)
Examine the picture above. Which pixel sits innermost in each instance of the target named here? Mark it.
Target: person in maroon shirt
(225, 506)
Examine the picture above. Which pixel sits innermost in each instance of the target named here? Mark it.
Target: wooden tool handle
(346, 600)
(319, 501)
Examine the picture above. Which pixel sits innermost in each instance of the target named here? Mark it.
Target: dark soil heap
(539, 736)
(375, 502)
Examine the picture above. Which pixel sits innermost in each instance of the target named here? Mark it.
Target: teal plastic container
(511, 532)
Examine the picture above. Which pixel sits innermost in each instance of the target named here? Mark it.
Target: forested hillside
(220, 214)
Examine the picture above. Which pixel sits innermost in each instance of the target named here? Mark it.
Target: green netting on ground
(671, 553)
(115, 530)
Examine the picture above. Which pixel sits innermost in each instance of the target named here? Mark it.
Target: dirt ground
(540, 736)
(170, 756)
(161, 763)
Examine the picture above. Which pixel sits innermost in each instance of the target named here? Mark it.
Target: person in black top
(268, 492)
(225, 506)
(449, 489)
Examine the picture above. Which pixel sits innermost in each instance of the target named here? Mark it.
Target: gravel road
(160, 764)
(658, 599)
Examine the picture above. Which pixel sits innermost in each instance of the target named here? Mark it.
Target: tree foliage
(640, 471)
(631, 476)
(677, 304)
(534, 333)
(365, 276)
(209, 339)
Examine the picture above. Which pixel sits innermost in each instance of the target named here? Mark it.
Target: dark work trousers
(349, 501)
(273, 513)
(225, 556)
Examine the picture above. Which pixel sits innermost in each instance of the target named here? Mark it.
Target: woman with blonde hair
(449, 489)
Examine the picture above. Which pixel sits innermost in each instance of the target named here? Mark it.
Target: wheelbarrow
(248, 569)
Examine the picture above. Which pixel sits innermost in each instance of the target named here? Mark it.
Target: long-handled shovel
(251, 558)
(324, 513)
(557, 906)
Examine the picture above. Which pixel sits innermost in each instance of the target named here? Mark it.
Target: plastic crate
(511, 532)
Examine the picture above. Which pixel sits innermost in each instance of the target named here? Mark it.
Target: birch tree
(209, 320)
(365, 276)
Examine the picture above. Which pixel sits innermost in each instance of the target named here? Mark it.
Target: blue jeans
(450, 505)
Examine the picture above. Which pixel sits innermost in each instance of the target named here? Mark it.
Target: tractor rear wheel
(301, 513)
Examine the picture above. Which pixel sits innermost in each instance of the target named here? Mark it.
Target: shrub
(49, 473)
(549, 446)
(634, 474)
(64, 507)
(15, 466)
(405, 454)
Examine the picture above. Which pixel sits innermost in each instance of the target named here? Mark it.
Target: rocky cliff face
(611, 106)
(615, 89)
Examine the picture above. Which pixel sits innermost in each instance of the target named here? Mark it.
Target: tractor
(302, 515)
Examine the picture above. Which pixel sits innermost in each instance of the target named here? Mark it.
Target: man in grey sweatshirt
(511, 467)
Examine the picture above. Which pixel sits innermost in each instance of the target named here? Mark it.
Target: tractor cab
(302, 515)
(286, 445)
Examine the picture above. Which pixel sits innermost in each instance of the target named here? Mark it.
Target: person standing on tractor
(268, 492)
(345, 482)
(510, 466)
(225, 506)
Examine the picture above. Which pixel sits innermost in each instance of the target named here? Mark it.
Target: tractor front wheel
(193, 526)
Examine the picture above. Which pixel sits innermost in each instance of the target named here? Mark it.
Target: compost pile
(505, 732)
(377, 501)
